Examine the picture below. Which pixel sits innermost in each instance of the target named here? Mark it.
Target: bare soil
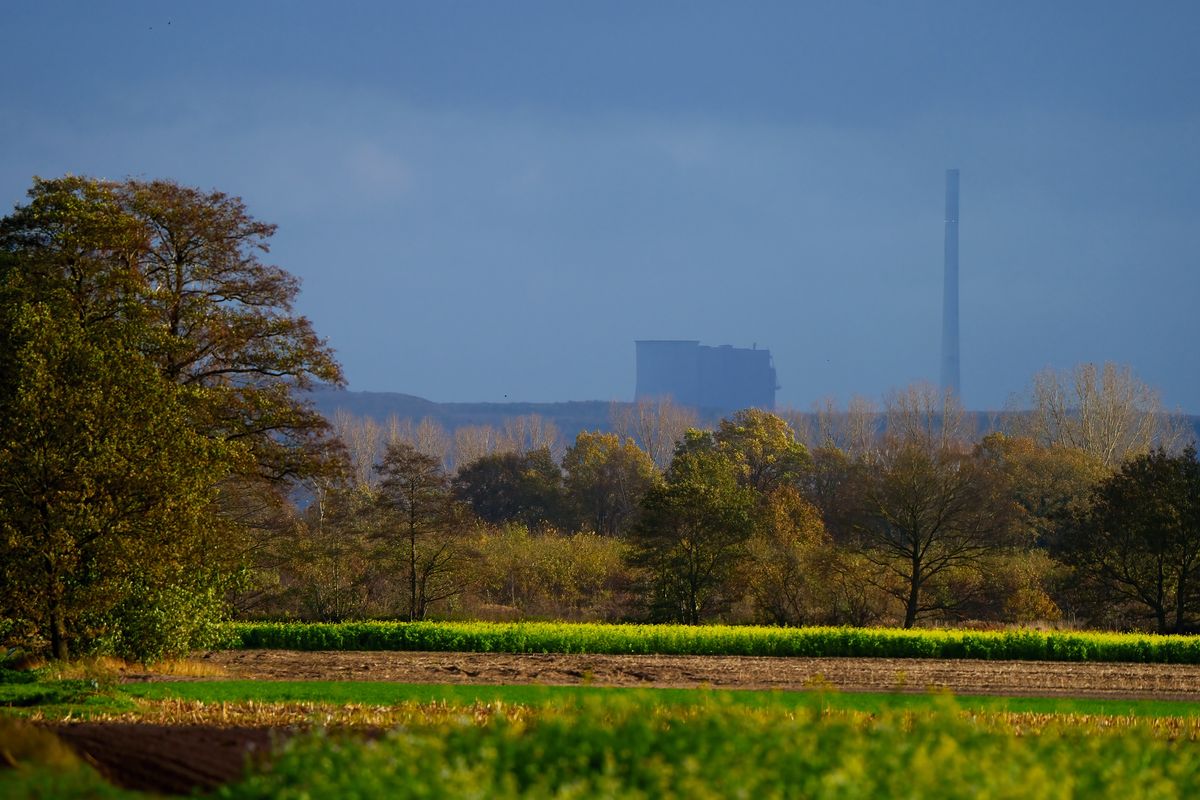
(1018, 678)
(169, 759)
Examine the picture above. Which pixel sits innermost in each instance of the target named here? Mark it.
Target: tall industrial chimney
(950, 382)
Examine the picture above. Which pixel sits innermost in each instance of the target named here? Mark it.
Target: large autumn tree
(925, 512)
(214, 317)
(147, 355)
(763, 448)
(105, 491)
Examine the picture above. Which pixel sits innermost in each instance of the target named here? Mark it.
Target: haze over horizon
(491, 202)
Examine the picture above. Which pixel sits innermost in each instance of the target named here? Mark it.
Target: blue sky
(493, 200)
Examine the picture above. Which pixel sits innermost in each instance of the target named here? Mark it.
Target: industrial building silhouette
(721, 378)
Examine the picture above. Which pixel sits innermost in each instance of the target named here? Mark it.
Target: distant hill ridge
(570, 417)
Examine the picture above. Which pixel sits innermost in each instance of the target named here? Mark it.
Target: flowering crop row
(555, 637)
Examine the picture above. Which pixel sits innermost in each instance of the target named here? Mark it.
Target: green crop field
(556, 637)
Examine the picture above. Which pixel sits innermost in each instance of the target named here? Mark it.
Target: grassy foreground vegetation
(628, 746)
(541, 741)
(719, 750)
(558, 637)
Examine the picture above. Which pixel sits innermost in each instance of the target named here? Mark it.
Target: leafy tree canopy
(691, 537)
(146, 355)
(185, 265)
(515, 487)
(1138, 543)
(105, 487)
(764, 449)
(606, 478)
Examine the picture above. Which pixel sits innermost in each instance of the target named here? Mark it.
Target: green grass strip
(378, 693)
(79, 698)
(556, 637)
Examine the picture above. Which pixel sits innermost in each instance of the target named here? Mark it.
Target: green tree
(1138, 543)
(927, 512)
(763, 448)
(783, 572)
(1046, 482)
(75, 245)
(606, 479)
(421, 527)
(690, 540)
(525, 488)
(105, 488)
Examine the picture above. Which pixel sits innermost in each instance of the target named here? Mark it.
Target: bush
(157, 622)
(549, 575)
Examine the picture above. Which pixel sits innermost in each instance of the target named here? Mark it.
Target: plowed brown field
(1160, 681)
(169, 759)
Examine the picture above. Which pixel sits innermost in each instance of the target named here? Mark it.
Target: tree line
(161, 469)
(895, 515)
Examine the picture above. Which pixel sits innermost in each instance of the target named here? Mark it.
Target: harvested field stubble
(286, 718)
(290, 715)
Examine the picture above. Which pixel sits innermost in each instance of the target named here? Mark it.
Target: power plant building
(721, 378)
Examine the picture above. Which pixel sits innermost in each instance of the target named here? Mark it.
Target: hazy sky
(490, 200)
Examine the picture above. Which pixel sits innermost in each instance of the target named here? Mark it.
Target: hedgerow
(553, 637)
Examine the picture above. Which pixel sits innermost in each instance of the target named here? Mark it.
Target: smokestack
(950, 384)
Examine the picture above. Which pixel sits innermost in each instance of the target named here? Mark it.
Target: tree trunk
(422, 595)
(58, 633)
(1180, 598)
(914, 594)
(412, 577)
(693, 611)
